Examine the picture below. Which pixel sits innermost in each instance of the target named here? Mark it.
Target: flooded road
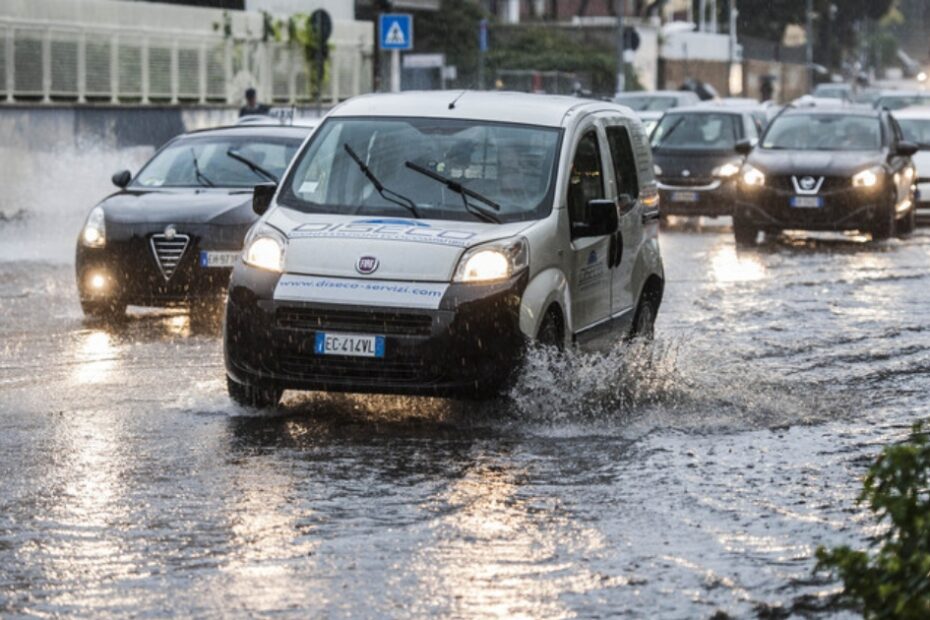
(683, 479)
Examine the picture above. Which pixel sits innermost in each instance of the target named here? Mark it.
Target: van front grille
(366, 322)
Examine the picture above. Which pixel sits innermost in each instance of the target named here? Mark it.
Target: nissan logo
(807, 183)
(366, 264)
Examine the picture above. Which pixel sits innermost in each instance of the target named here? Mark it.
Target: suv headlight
(264, 249)
(493, 261)
(726, 171)
(868, 179)
(94, 234)
(752, 176)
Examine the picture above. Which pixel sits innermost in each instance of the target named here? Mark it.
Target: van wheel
(550, 332)
(104, 310)
(259, 397)
(744, 233)
(644, 321)
(907, 224)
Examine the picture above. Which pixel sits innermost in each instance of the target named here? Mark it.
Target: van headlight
(868, 179)
(94, 234)
(265, 250)
(752, 176)
(493, 261)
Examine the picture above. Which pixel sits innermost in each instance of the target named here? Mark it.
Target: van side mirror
(261, 197)
(906, 149)
(602, 219)
(744, 147)
(121, 179)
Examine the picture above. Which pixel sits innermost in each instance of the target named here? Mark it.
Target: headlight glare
(265, 251)
(94, 234)
(493, 261)
(752, 176)
(867, 179)
(726, 171)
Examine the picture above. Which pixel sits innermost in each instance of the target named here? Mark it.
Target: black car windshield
(824, 132)
(647, 103)
(205, 161)
(404, 166)
(916, 130)
(696, 131)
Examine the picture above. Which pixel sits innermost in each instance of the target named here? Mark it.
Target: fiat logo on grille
(366, 265)
(807, 183)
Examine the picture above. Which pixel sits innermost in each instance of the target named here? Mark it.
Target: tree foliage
(893, 580)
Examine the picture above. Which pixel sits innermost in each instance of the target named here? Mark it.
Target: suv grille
(168, 252)
(388, 323)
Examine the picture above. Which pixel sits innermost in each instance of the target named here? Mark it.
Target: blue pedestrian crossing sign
(396, 31)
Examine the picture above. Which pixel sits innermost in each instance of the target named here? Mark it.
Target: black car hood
(816, 163)
(699, 164)
(231, 207)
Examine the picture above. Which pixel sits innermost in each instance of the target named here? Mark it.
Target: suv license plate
(355, 345)
(684, 196)
(218, 259)
(806, 202)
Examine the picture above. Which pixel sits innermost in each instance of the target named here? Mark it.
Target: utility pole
(809, 37)
(732, 14)
(621, 71)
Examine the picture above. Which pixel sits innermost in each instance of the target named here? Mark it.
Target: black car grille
(359, 369)
(168, 252)
(784, 183)
(370, 322)
(686, 181)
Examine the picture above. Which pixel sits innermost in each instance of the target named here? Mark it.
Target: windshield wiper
(386, 193)
(457, 187)
(252, 165)
(198, 174)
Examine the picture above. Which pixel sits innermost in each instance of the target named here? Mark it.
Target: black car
(696, 159)
(171, 234)
(828, 169)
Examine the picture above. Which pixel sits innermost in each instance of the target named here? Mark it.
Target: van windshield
(511, 167)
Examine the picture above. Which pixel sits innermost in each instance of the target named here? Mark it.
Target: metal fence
(47, 61)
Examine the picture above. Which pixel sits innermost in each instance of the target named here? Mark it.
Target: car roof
(913, 112)
(706, 107)
(834, 110)
(904, 93)
(671, 94)
(288, 131)
(494, 106)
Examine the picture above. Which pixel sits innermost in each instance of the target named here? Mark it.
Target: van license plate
(355, 345)
(806, 202)
(684, 196)
(218, 259)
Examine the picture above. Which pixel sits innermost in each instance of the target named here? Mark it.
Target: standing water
(683, 478)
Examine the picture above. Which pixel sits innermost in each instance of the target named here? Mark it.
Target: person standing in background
(252, 106)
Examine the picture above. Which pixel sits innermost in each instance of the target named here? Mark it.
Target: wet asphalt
(693, 476)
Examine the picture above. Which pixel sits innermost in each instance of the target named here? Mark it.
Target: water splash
(667, 383)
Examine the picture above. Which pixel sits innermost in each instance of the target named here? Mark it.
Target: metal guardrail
(49, 61)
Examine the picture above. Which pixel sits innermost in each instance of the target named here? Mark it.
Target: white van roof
(500, 106)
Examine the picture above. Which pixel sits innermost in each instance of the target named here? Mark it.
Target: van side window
(586, 181)
(621, 151)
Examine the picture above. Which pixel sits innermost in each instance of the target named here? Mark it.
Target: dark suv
(827, 169)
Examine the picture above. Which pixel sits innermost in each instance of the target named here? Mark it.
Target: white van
(419, 240)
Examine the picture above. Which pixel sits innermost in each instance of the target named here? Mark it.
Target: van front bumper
(469, 347)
